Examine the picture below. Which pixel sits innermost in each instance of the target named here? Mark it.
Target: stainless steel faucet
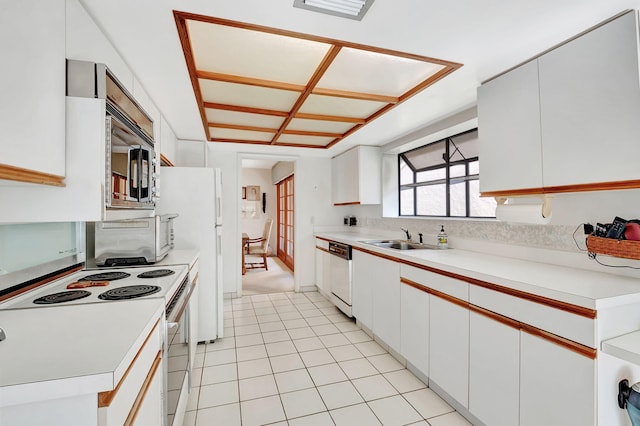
(406, 231)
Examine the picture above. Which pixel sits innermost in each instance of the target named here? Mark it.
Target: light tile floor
(294, 359)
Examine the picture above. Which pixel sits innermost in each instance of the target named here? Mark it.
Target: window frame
(447, 180)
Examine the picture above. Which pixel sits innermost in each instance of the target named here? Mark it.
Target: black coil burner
(156, 273)
(63, 296)
(106, 276)
(129, 292)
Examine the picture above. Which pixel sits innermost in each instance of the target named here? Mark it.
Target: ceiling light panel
(254, 53)
(246, 135)
(319, 125)
(243, 118)
(248, 96)
(304, 140)
(330, 105)
(372, 72)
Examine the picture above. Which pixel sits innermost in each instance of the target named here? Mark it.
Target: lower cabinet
(376, 296)
(362, 287)
(414, 327)
(494, 371)
(449, 348)
(323, 271)
(557, 385)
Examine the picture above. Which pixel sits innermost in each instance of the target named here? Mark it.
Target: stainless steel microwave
(124, 242)
(130, 159)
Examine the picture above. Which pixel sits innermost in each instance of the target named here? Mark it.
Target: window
(442, 179)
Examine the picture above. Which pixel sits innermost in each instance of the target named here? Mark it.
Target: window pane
(406, 174)
(431, 200)
(480, 207)
(457, 171)
(427, 156)
(406, 202)
(458, 194)
(430, 175)
(474, 168)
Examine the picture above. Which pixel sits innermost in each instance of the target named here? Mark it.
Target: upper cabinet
(32, 111)
(543, 126)
(356, 176)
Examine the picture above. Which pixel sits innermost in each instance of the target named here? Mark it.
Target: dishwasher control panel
(340, 250)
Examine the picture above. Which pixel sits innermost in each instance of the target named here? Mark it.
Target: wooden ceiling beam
(311, 133)
(356, 95)
(341, 119)
(242, 127)
(229, 78)
(317, 75)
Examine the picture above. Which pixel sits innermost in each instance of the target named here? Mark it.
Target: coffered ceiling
(261, 85)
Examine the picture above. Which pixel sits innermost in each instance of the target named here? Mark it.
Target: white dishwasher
(340, 278)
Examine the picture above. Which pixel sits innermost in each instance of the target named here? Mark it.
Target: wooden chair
(260, 247)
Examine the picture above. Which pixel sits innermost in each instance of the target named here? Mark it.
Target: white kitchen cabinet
(557, 386)
(509, 131)
(563, 122)
(323, 266)
(414, 327)
(494, 371)
(362, 287)
(32, 111)
(449, 348)
(137, 390)
(386, 301)
(589, 104)
(356, 176)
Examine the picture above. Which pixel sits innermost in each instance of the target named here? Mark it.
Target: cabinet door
(323, 271)
(449, 348)
(509, 131)
(385, 277)
(557, 386)
(590, 103)
(149, 410)
(32, 111)
(362, 287)
(414, 327)
(344, 176)
(494, 371)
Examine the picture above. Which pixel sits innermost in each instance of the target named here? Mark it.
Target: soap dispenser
(443, 239)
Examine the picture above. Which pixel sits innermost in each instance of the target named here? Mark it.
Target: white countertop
(179, 257)
(626, 347)
(590, 289)
(55, 352)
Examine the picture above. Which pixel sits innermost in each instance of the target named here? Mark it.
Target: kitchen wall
(252, 217)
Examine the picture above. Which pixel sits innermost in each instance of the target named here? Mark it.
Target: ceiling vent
(351, 9)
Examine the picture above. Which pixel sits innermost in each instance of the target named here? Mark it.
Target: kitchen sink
(399, 244)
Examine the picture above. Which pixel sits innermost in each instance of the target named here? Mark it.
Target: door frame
(238, 231)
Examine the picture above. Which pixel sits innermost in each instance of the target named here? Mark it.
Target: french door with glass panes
(285, 221)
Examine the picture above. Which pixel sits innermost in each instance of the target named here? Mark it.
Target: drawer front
(322, 244)
(574, 327)
(451, 286)
(114, 406)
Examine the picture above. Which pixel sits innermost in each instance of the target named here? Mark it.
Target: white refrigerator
(195, 194)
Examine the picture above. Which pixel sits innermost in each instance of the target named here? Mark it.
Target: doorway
(285, 194)
(259, 205)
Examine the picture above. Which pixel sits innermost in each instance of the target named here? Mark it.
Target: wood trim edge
(323, 249)
(106, 398)
(559, 189)
(351, 203)
(19, 174)
(165, 160)
(135, 408)
(510, 322)
(41, 283)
